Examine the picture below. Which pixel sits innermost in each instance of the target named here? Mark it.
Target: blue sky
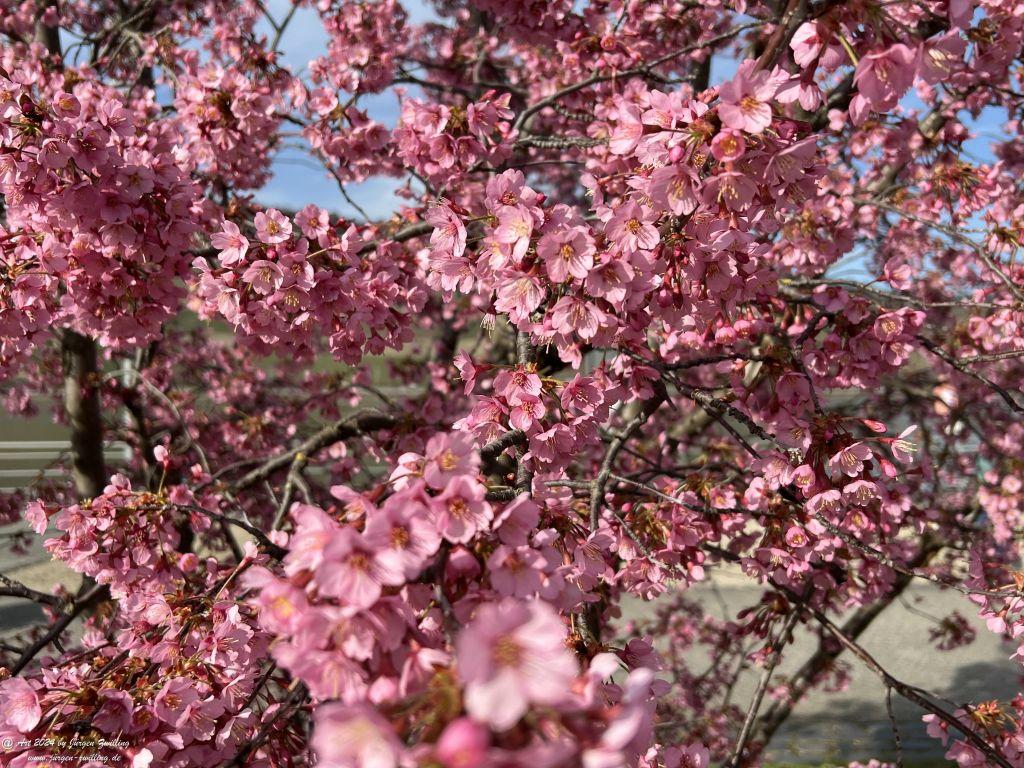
(299, 179)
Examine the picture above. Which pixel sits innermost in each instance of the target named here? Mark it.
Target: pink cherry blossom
(850, 460)
(449, 235)
(513, 654)
(461, 510)
(903, 450)
(354, 737)
(21, 708)
(567, 253)
(231, 243)
(746, 100)
(447, 457)
(354, 570)
(807, 43)
(728, 146)
(883, 76)
(463, 744)
(630, 228)
(272, 226)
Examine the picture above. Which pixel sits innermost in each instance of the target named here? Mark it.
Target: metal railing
(36, 459)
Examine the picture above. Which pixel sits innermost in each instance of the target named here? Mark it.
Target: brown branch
(406, 233)
(713, 359)
(274, 550)
(762, 687)
(804, 678)
(909, 692)
(343, 429)
(792, 17)
(590, 625)
(716, 408)
(494, 448)
(895, 728)
(887, 561)
(14, 588)
(526, 356)
(96, 594)
(45, 34)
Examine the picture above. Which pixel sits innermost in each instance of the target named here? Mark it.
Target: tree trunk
(82, 403)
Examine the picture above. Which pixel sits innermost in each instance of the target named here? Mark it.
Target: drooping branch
(911, 693)
(801, 681)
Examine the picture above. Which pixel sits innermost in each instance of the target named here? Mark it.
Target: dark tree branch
(96, 594)
(14, 588)
(911, 693)
(343, 429)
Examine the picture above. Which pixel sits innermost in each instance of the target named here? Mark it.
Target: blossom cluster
(291, 278)
(441, 142)
(366, 594)
(99, 212)
(178, 688)
(229, 124)
(125, 539)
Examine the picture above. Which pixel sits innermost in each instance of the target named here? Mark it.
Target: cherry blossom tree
(669, 287)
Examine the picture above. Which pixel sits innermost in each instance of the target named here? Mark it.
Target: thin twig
(274, 550)
(762, 687)
(940, 353)
(290, 484)
(895, 728)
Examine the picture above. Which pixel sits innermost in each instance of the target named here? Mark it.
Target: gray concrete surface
(853, 724)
